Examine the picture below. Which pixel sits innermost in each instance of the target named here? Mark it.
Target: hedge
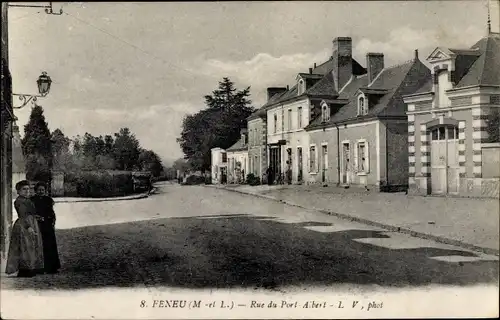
(99, 184)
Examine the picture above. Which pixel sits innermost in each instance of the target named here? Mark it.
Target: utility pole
(7, 119)
(6, 155)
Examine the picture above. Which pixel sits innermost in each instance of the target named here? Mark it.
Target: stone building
(360, 136)
(450, 150)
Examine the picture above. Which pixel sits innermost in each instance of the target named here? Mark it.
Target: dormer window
(301, 87)
(325, 113)
(362, 105)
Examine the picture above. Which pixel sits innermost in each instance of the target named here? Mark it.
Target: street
(198, 237)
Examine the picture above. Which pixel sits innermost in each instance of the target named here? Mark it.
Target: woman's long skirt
(25, 249)
(50, 252)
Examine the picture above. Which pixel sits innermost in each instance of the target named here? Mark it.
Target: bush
(253, 180)
(99, 184)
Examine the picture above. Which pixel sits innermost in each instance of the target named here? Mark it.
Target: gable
(439, 54)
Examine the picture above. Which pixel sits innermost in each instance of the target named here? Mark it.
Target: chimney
(274, 90)
(243, 133)
(342, 65)
(315, 65)
(416, 54)
(310, 70)
(374, 64)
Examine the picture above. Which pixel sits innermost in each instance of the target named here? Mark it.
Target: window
(256, 137)
(362, 160)
(362, 106)
(275, 122)
(255, 165)
(224, 157)
(301, 87)
(312, 159)
(325, 113)
(282, 120)
(443, 133)
(299, 117)
(289, 119)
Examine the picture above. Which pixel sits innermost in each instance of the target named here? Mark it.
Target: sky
(146, 65)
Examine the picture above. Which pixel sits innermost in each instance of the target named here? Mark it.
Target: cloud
(401, 42)
(263, 70)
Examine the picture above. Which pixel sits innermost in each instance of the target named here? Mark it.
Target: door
(324, 162)
(299, 164)
(444, 160)
(289, 165)
(452, 158)
(275, 162)
(346, 158)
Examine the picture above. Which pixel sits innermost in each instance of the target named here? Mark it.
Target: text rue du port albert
(270, 304)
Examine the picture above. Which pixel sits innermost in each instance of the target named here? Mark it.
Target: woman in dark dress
(44, 206)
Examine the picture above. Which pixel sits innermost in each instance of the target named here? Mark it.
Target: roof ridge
(395, 90)
(486, 50)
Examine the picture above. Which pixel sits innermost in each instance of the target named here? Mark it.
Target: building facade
(360, 138)
(450, 149)
(219, 166)
(257, 133)
(237, 160)
(291, 111)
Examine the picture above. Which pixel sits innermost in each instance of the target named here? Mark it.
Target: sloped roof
(18, 162)
(324, 87)
(485, 70)
(238, 146)
(391, 84)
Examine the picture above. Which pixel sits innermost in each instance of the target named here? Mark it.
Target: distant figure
(44, 206)
(26, 244)
(270, 176)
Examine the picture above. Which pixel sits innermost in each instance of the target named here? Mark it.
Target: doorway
(444, 160)
(299, 164)
(324, 162)
(346, 158)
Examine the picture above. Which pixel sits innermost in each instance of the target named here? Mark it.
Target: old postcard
(264, 160)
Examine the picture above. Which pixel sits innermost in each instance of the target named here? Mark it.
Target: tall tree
(37, 146)
(218, 125)
(150, 161)
(126, 150)
(60, 150)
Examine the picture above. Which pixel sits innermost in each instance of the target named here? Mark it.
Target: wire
(24, 16)
(129, 44)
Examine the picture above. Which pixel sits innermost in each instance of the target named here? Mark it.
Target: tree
(126, 150)
(218, 125)
(150, 161)
(60, 150)
(493, 126)
(37, 146)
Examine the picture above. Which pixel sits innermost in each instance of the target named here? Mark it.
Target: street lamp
(43, 83)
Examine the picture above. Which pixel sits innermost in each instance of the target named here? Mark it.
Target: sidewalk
(465, 222)
(131, 197)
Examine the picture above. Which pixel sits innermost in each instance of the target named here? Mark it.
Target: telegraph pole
(7, 119)
(6, 156)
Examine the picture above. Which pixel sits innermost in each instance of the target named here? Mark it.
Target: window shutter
(367, 157)
(355, 160)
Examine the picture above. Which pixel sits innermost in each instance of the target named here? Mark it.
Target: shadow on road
(243, 251)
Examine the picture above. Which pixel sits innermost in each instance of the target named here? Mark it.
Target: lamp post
(43, 83)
